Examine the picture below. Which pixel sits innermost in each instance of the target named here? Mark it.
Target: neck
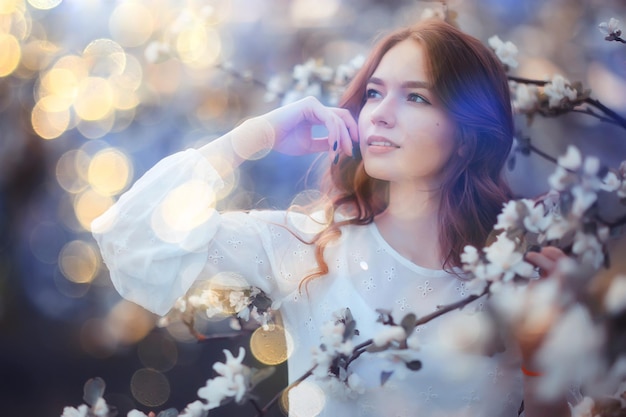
(410, 224)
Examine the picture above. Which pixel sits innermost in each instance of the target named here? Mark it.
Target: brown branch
(619, 120)
(450, 307)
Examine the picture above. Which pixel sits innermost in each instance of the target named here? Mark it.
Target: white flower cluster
(330, 359)
(582, 180)
(610, 29)
(561, 214)
(559, 89)
(505, 51)
(237, 302)
(557, 93)
(99, 409)
(233, 381)
(313, 78)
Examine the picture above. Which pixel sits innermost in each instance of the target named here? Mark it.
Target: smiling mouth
(382, 143)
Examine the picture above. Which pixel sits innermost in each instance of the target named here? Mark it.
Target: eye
(417, 98)
(371, 93)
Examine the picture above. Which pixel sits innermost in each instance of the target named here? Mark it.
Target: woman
(416, 152)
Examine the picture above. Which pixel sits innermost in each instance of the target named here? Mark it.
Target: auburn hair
(472, 86)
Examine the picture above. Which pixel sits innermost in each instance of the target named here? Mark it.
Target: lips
(381, 141)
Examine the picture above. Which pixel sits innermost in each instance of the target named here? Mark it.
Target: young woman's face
(405, 134)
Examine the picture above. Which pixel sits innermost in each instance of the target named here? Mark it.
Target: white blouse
(154, 259)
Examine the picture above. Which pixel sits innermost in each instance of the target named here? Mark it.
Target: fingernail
(335, 146)
(336, 159)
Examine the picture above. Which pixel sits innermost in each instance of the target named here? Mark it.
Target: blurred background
(94, 92)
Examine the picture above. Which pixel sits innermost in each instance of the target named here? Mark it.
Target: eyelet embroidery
(425, 288)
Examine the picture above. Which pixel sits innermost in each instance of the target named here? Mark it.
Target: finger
(545, 264)
(350, 130)
(553, 253)
(318, 145)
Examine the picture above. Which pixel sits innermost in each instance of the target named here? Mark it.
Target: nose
(384, 112)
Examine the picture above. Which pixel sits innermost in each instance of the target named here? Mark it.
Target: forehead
(404, 61)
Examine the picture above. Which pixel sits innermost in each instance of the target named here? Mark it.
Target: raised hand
(292, 126)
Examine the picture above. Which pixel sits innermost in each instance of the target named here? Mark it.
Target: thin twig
(597, 104)
(541, 153)
(450, 307)
(274, 400)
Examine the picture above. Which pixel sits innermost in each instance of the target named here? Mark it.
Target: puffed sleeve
(157, 239)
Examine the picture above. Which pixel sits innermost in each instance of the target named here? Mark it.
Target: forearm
(250, 140)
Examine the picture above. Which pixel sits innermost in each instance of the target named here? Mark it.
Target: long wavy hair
(472, 86)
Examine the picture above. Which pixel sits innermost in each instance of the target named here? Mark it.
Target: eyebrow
(406, 84)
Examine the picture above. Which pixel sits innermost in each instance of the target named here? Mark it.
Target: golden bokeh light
(62, 84)
(109, 172)
(131, 23)
(71, 170)
(95, 129)
(10, 54)
(183, 209)
(158, 351)
(95, 99)
(131, 76)
(89, 205)
(313, 12)
(44, 4)
(104, 57)
(129, 323)
(11, 6)
(305, 399)
(150, 387)
(198, 46)
(271, 346)
(49, 124)
(78, 261)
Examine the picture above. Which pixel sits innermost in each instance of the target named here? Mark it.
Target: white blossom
(81, 411)
(615, 297)
(558, 89)
(559, 228)
(588, 248)
(583, 199)
(469, 257)
(355, 383)
(508, 217)
(584, 408)
(505, 51)
(526, 98)
(591, 166)
(388, 335)
(332, 345)
(572, 159)
(610, 27)
(239, 301)
(100, 408)
(611, 182)
(136, 413)
(413, 342)
(559, 179)
(194, 409)
(570, 353)
(506, 259)
(274, 88)
(233, 380)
